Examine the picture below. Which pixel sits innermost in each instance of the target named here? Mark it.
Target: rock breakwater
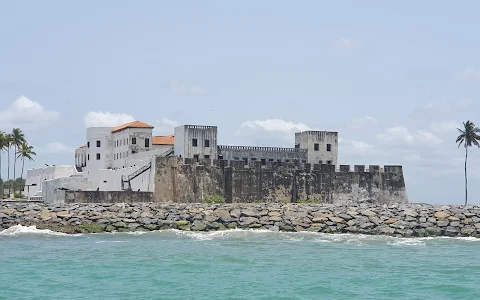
(414, 220)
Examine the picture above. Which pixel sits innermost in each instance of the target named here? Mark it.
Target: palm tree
(8, 144)
(3, 146)
(25, 151)
(468, 137)
(18, 138)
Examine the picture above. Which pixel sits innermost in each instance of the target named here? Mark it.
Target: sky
(395, 79)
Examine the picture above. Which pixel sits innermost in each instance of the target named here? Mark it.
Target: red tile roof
(134, 124)
(163, 140)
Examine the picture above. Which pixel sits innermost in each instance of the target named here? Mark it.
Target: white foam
(19, 229)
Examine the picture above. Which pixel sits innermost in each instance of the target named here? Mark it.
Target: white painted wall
(123, 148)
(38, 176)
(81, 157)
(51, 192)
(104, 135)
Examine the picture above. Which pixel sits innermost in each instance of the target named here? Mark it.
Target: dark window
(329, 162)
(88, 156)
(316, 147)
(287, 160)
(279, 160)
(124, 141)
(206, 156)
(320, 162)
(264, 161)
(271, 159)
(104, 181)
(147, 143)
(98, 156)
(329, 147)
(98, 143)
(245, 160)
(194, 142)
(220, 157)
(134, 141)
(195, 156)
(207, 143)
(297, 146)
(236, 158)
(88, 144)
(134, 151)
(304, 161)
(253, 159)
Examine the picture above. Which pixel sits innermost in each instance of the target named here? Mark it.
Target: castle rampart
(191, 181)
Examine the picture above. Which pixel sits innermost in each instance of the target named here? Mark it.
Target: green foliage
(213, 199)
(18, 195)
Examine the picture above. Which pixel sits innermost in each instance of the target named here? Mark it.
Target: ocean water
(236, 264)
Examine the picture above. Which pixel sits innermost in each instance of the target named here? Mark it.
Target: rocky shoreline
(413, 220)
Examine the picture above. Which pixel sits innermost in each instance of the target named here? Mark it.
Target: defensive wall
(262, 153)
(190, 181)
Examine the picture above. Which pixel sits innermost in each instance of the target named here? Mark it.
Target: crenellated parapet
(189, 180)
(305, 167)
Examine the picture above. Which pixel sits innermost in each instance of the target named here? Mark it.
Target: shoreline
(412, 220)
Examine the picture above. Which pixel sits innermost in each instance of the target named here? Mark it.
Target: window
(194, 142)
(264, 161)
(88, 144)
(245, 160)
(104, 181)
(236, 158)
(206, 156)
(147, 143)
(195, 156)
(297, 146)
(220, 157)
(320, 162)
(271, 159)
(329, 162)
(124, 142)
(253, 159)
(98, 156)
(304, 161)
(329, 147)
(120, 155)
(207, 143)
(316, 147)
(287, 160)
(98, 143)
(134, 141)
(134, 151)
(88, 156)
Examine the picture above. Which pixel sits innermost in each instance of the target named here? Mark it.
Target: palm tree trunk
(1, 182)
(23, 166)
(14, 167)
(466, 189)
(8, 168)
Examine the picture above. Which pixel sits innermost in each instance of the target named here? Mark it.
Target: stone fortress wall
(190, 181)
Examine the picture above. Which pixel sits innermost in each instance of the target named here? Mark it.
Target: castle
(189, 165)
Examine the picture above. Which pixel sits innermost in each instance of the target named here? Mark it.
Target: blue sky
(394, 79)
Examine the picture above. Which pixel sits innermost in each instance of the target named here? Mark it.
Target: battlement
(303, 167)
(265, 149)
(200, 127)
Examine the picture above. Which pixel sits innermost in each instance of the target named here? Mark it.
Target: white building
(110, 155)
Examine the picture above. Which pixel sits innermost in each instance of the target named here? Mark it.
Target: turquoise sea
(40, 264)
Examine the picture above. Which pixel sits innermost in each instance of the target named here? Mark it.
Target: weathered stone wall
(191, 181)
(416, 220)
(107, 196)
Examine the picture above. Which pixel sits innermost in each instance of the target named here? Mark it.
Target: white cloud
(356, 148)
(363, 122)
(26, 114)
(106, 119)
(56, 148)
(271, 132)
(183, 87)
(469, 73)
(447, 126)
(165, 126)
(345, 44)
(400, 135)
